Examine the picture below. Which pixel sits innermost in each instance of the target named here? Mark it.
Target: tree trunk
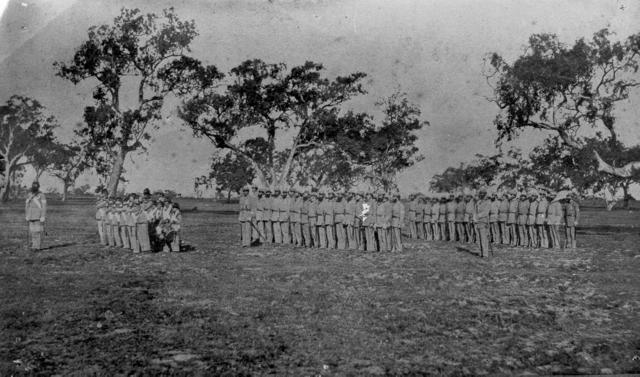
(65, 188)
(229, 196)
(4, 196)
(116, 172)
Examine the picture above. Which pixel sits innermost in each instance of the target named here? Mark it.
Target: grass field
(79, 309)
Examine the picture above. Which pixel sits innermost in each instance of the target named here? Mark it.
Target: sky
(431, 50)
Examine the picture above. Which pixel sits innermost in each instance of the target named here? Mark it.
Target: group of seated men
(141, 223)
(342, 220)
(536, 219)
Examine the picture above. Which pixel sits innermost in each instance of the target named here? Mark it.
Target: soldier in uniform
(541, 219)
(304, 219)
(483, 213)
(459, 213)
(142, 225)
(107, 222)
(469, 213)
(253, 202)
(397, 222)
(259, 219)
(350, 213)
(285, 216)
(276, 205)
(35, 214)
(330, 220)
(426, 217)
(512, 217)
(531, 219)
(572, 215)
(369, 222)
(358, 225)
(115, 223)
(267, 215)
(322, 230)
(523, 212)
(442, 219)
(382, 216)
(295, 203)
(411, 217)
(245, 218)
(419, 217)
(313, 219)
(175, 221)
(503, 216)
(451, 218)
(494, 207)
(338, 216)
(101, 209)
(435, 219)
(555, 220)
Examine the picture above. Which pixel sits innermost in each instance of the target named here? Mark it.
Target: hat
(246, 188)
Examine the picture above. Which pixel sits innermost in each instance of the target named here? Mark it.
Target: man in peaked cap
(245, 218)
(267, 214)
(469, 217)
(330, 219)
(483, 209)
(442, 218)
(339, 208)
(101, 209)
(512, 217)
(503, 214)
(358, 224)
(531, 218)
(418, 217)
(350, 213)
(555, 220)
(260, 215)
(459, 212)
(35, 214)
(285, 215)
(323, 207)
(541, 220)
(494, 209)
(450, 209)
(305, 227)
(383, 212)
(571, 216)
(426, 217)
(435, 217)
(277, 204)
(369, 221)
(312, 209)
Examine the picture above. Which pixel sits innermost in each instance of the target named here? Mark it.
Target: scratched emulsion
(432, 50)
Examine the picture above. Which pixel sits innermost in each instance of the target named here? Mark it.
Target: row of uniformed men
(532, 220)
(141, 224)
(327, 220)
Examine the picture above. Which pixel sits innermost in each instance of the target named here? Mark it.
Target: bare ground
(80, 309)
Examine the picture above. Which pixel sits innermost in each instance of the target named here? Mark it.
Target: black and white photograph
(319, 187)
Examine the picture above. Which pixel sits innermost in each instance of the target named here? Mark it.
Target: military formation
(140, 223)
(325, 219)
(375, 221)
(535, 219)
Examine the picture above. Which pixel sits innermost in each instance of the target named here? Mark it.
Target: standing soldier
(101, 209)
(322, 230)
(541, 219)
(350, 213)
(115, 223)
(435, 218)
(380, 222)
(245, 218)
(107, 222)
(313, 220)
(451, 218)
(285, 216)
(494, 208)
(295, 203)
(35, 213)
(531, 219)
(131, 225)
(267, 215)
(330, 220)
(469, 215)
(419, 216)
(260, 212)
(426, 217)
(483, 213)
(460, 210)
(175, 222)
(142, 225)
(572, 215)
(369, 221)
(555, 220)
(512, 217)
(253, 202)
(338, 213)
(304, 219)
(276, 204)
(413, 230)
(442, 218)
(397, 222)
(523, 211)
(503, 216)
(358, 224)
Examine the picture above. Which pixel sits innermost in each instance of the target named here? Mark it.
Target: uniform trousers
(504, 232)
(513, 234)
(331, 236)
(523, 235)
(468, 227)
(383, 244)
(36, 228)
(341, 236)
(396, 239)
(268, 231)
(543, 236)
(461, 233)
(443, 230)
(322, 234)
(296, 233)
(175, 241)
(133, 238)
(451, 230)
(570, 237)
(413, 229)
(360, 237)
(483, 235)
(495, 232)
(143, 237)
(420, 230)
(435, 229)
(110, 239)
(245, 233)
(370, 235)
(427, 231)
(533, 237)
(262, 232)
(554, 231)
(351, 237)
(315, 238)
(286, 232)
(101, 233)
(306, 234)
(254, 229)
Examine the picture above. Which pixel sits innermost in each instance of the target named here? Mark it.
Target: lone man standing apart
(36, 210)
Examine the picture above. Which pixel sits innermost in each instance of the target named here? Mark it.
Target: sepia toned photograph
(319, 187)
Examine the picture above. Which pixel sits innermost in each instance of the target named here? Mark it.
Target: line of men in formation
(535, 219)
(322, 219)
(139, 223)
